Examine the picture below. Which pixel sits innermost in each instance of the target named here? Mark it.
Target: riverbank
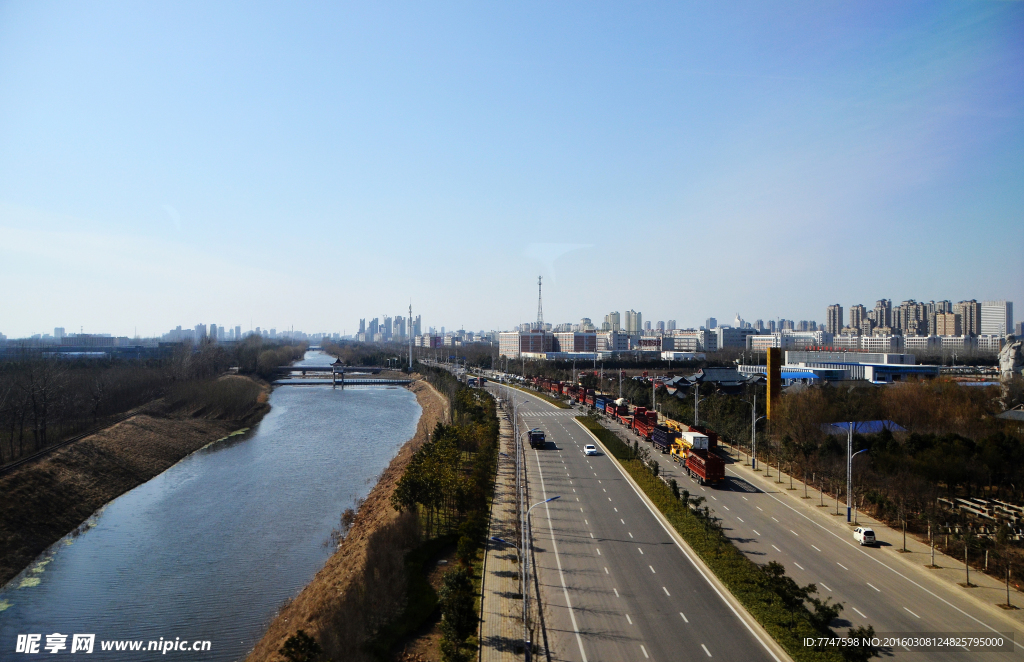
(46, 499)
(313, 609)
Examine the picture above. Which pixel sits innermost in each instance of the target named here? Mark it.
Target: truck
(644, 422)
(663, 438)
(705, 466)
(686, 440)
(536, 438)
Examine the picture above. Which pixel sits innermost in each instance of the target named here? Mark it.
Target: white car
(590, 449)
(864, 536)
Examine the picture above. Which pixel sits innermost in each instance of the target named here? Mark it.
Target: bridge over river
(334, 375)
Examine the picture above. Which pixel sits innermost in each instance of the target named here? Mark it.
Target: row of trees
(45, 400)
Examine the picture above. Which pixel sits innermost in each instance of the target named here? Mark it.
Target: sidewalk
(501, 626)
(950, 573)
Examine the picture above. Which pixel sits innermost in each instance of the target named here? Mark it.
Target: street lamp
(528, 645)
(753, 443)
(849, 472)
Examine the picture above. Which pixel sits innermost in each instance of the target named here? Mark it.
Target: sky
(309, 164)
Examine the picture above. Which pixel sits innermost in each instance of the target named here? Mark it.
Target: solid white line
(872, 586)
(706, 650)
(652, 569)
(645, 651)
(754, 530)
(815, 548)
(826, 586)
(881, 563)
(558, 561)
(912, 613)
(798, 565)
(777, 549)
(666, 591)
(629, 619)
(859, 612)
(685, 619)
(841, 565)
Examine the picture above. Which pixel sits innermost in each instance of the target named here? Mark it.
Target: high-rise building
(670, 325)
(417, 327)
(996, 318)
(834, 318)
(613, 322)
(858, 314)
(213, 332)
(634, 322)
(710, 323)
(970, 313)
(1018, 329)
(948, 324)
(647, 326)
(58, 333)
(883, 312)
(200, 332)
(238, 332)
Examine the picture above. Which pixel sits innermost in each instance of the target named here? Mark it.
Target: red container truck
(705, 466)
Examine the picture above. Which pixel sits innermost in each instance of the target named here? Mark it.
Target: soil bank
(306, 610)
(46, 499)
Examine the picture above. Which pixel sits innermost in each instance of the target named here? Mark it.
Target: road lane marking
(685, 619)
(746, 499)
(826, 586)
(706, 650)
(726, 507)
(841, 565)
(794, 532)
(574, 489)
(617, 510)
(777, 549)
(615, 589)
(859, 612)
(775, 519)
(622, 520)
(640, 550)
(558, 560)
(740, 519)
(645, 651)
(606, 571)
(586, 522)
(666, 591)
(759, 508)
(714, 497)
(652, 569)
(629, 619)
(591, 535)
(872, 586)
(603, 490)
(609, 498)
(754, 530)
(912, 613)
(630, 534)
(798, 565)
(815, 548)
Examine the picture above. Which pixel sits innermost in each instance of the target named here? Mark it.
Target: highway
(613, 582)
(767, 523)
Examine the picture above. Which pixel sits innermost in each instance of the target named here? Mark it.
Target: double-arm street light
(849, 472)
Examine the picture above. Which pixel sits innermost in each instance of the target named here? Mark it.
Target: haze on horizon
(306, 166)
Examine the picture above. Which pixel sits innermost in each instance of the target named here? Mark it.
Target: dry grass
(324, 605)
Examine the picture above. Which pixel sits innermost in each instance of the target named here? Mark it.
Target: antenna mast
(540, 306)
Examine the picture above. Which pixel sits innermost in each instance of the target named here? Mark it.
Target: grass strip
(741, 576)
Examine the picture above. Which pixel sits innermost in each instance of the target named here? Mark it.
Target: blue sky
(308, 164)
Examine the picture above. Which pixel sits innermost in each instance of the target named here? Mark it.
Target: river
(211, 548)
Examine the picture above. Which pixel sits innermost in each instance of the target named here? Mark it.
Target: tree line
(44, 400)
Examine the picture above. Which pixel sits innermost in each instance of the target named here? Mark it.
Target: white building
(996, 318)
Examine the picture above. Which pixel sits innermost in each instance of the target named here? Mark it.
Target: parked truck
(536, 438)
(684, 442)
(705, 466)
(663, 438)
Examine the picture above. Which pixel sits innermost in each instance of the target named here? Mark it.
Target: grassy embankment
(776, 601)
(46, 499)
(561, 404)
(382, 590)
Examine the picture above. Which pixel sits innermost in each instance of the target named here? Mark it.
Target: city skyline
(303, 165)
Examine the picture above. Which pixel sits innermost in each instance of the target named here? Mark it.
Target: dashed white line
(776, 548)
(912, 613)
(685, 619)
(616, 510)
(652, 569)
(754, 530)
(794, 532)
(726, 507)
(645, 651)
(598, 551)
(615, 589)
(586, 522)
(630, 534)
(859, 612)
(826, 586)
(773, 517)
(815, 548)
(841, 565)
(629, 619)
(666, 591)
(740, 519)
(714, 497)
(640, 550)
(622, 520)
(606, 571)
(872, 586)
(798, 565)
(759, 508)
(745, 499)
(706, 650)
(591, 535)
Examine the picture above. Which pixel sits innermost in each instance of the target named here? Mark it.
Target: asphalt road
(766, 524)
(614, 584)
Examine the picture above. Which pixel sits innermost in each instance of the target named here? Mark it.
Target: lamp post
(849, 472)
(528, 644)
(753, 442)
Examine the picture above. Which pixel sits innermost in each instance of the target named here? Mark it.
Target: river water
(211, 548)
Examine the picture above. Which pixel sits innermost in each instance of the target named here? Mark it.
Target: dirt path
(308, 609)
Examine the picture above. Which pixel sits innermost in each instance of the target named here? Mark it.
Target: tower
(540, 307)
(410, 336)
